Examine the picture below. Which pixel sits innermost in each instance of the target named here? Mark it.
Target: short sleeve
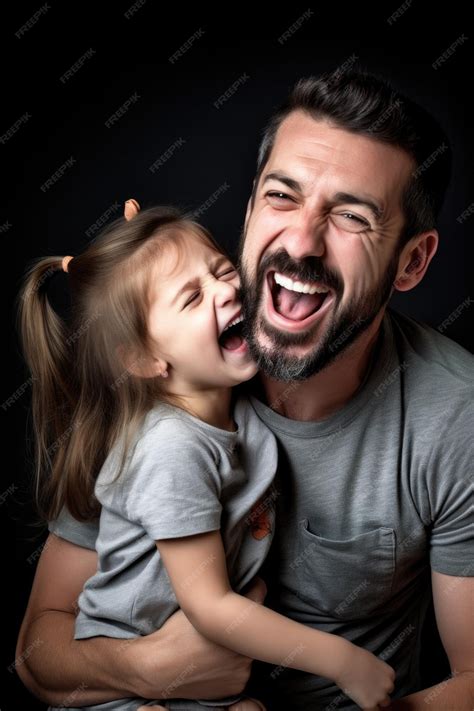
(81, 533)
(449, 492)
(173, 487)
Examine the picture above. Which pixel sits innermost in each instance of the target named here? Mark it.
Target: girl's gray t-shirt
(183, 476)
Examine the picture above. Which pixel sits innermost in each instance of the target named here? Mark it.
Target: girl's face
(191, 307)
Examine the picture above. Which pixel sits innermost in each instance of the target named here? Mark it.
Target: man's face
(327, 214)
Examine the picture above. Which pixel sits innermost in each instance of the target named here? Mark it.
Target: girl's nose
(226, 291)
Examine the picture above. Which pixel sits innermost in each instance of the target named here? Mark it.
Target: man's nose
(304, 236)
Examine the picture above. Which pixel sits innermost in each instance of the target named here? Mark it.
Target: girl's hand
(366, 679)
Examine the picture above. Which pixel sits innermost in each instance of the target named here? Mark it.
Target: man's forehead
(313, 148)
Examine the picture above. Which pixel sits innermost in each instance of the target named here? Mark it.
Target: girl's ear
(141, 365)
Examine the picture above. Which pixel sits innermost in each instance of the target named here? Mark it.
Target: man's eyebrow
(290, 182)
(195, 281)
(351, 199)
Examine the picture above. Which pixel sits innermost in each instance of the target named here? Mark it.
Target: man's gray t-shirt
(368, 500)
(183, 476)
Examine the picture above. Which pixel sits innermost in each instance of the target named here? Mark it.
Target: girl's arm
(197, 569)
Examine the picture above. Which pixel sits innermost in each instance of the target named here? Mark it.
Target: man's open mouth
(296, 300)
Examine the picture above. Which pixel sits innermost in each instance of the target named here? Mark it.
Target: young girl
(135, 416)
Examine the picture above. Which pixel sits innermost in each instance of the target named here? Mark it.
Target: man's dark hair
(368, 105)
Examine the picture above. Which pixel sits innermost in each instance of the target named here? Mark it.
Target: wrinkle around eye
(353, 224)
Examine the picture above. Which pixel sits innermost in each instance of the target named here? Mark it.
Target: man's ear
(141, 365)
(414, 260)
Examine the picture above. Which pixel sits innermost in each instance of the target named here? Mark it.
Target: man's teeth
(303, 288)
(234, 322)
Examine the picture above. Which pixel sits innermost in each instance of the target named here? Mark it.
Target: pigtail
(43, 335)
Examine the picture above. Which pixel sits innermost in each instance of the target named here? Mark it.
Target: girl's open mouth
(231, 339)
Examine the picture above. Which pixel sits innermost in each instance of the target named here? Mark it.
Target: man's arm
(454, 607)
(60, 670)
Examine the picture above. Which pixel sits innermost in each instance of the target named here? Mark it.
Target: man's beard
(344, 327)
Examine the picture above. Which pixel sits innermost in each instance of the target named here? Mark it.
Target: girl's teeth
(232, 323)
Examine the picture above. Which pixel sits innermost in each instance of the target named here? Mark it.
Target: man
(372, 412)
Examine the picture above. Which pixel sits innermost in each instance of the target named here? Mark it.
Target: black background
(175, 103)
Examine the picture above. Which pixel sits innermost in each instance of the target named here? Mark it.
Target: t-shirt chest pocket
(345, 579)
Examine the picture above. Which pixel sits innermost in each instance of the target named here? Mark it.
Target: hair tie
(65, 263)
(131, 208)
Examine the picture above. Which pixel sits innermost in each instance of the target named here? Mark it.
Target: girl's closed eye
(192, 298)
(232, 270)
(229, 272)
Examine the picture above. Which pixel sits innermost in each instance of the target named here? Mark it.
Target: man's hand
(208, 670)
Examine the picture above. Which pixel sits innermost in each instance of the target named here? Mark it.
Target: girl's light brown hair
(84, 399)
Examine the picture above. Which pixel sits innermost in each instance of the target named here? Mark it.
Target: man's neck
(326, 392)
